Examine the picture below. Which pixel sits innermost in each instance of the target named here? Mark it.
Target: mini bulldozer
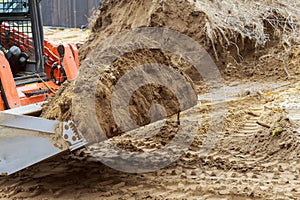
(31, 70)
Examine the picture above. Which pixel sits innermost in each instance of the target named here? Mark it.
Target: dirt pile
(234, 44)
(242, 37)
(277, 139)
(141, 102)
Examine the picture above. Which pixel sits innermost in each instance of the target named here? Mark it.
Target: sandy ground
(67, 35)
(237, 167)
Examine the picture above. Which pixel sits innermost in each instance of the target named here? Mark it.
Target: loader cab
(22, 36)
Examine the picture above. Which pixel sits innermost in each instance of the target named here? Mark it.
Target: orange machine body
(24, 94)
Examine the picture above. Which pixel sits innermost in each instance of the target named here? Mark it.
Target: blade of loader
(28, 123)
(25, 141)
(32, 109)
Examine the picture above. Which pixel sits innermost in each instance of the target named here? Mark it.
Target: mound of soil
(141, 102)
(244, 44)
(234, 52)
(276, 139)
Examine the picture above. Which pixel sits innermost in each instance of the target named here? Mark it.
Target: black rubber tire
(62, 70)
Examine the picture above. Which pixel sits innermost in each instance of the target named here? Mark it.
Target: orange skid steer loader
(31, 69)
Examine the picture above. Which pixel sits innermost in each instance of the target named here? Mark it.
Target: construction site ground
(255, 154)
(238, 167)
(67, 35)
